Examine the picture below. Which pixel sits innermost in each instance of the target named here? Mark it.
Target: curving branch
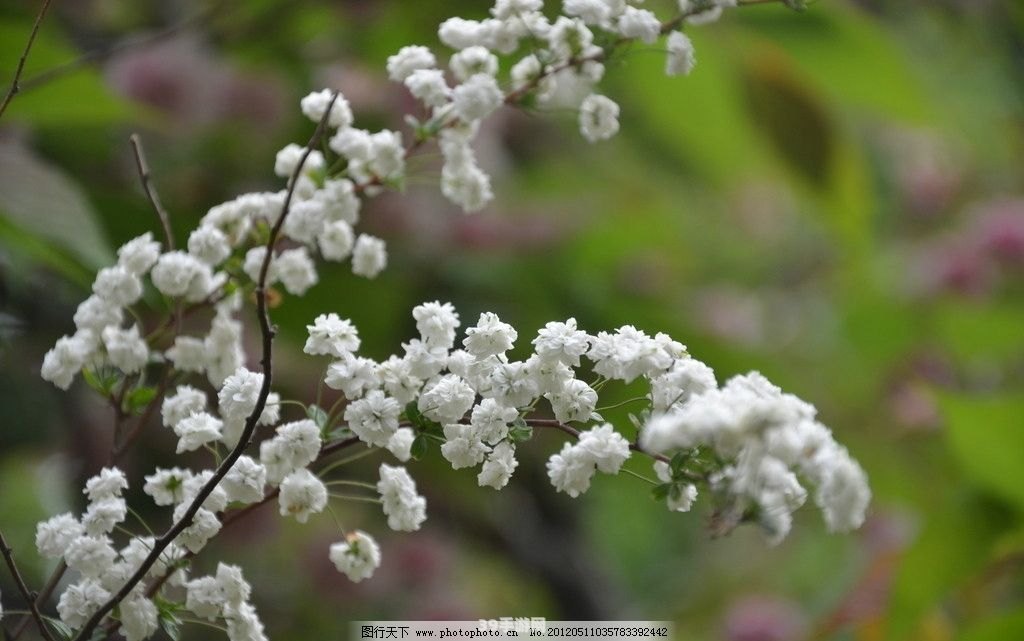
(267, 332)
(25, 592)
(147, 186)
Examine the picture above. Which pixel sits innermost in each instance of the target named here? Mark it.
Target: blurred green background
(834, 197)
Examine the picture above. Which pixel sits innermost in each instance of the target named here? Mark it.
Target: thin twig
(104, 53)
(42, 597)
(30, 598)
(147, 185)
(267, 332)
(15, 86)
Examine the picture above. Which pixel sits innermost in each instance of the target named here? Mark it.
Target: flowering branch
(267, 332)
(15, 86)
(27, 594)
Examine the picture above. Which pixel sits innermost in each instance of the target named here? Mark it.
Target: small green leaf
(412, 413)
(317, 414)
(419, 447)
(62, 630)
(660, 492)
(520, 433)
(139, 398)
(103, 380)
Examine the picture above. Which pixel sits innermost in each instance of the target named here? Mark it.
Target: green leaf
(103, 380)
(419, 447)
(62, 630)
(139, 398)
(317, 414)
(661, 492)
(520, 433)
(986, 436)
(412, 413)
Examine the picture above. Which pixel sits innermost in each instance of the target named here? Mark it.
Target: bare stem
(15, 86)
(147, 185)
(30, 598)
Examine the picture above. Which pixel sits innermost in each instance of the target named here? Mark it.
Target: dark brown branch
(267, 333)
(147, 186)
(29, 597)
(15, 86)
(41, 598)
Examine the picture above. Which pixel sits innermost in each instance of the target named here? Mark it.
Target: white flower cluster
(225, 596)
(769, 438)
(477, 395)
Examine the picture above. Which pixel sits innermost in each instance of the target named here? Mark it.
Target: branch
(25, 592)
(15, 87)
(147, 186)
(267, 332)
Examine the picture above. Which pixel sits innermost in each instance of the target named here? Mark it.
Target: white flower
(606, 448)
(373, 418)
(95, 313)
(102, 515)
(232, 583)
(183, 403)
(491, 420)
(466, 185)
(338, 196)
(688, 377)
(65, 360)
(627, 354)
(436, 323)
(336, 240)
(489, 337)
(205, 526)
(253, 263)
(117, 285)
(471, 61)
(569, 37)
(525, 72)
(405, 509)
(511, 384)
(109, 483)
(296, 270)
(639, 24)
(126, 350)
(139, 254)
(305, 220)
(562, 342)
(424, 361)
(302, 494)
(92, 556)
(447, 400)
(352, 375)
(395, 374)
(400, 443)
(459, 33)
(357, 556)
(178, 274)
(296, 445)
(570, 470)
(463, 447)
(681, 57)
(238, 396)
(215, 501)
(498, 468)
(574, 402)
(315, 105)
(369, 257)
(167, 486)
(188, 354)
(476, 98)
(330, 334)
(204, 598)
(287, 161)
(429, 87)
(80, 600)
(244, 624)
(409, 60)
(245, 480)
(844, 495)
(138, 618)
(599, 118)
(55, 534)
(209, 244)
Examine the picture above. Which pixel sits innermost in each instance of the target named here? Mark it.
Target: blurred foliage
(834, 197)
